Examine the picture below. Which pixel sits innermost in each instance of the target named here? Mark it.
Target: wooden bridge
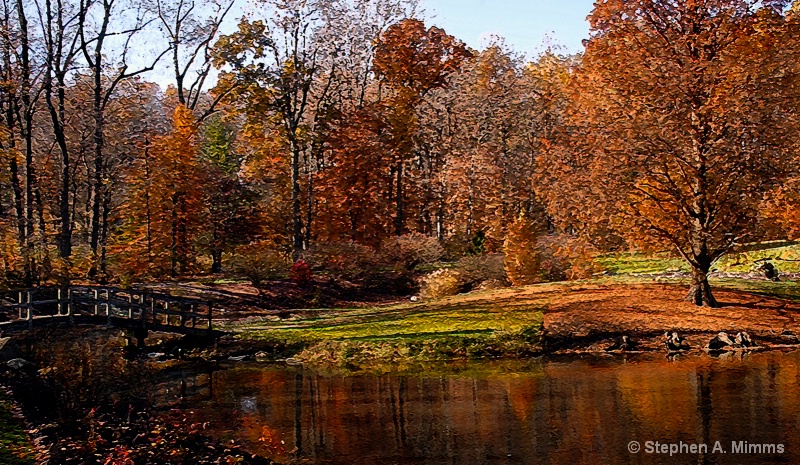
(139, 310)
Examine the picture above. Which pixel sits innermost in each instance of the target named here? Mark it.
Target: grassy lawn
(627, 263)
(783, 254)
(483, 313)
(15, 446)
(504, 321)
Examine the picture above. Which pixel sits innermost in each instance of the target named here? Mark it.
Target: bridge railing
(128, 307)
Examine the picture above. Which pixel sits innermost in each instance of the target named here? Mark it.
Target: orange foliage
(166, 207)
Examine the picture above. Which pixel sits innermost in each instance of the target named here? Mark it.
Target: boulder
(743, 340)
(720, 341)
(675, 343)
(8, 349)
(18, 363)
(623, 344)
(770, 272)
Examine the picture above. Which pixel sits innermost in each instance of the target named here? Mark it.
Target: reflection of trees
(575, 413)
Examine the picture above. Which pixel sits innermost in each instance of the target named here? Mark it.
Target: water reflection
(559, 412)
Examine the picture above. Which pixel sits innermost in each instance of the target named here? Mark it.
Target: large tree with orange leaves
(413, 60)
(677, 126)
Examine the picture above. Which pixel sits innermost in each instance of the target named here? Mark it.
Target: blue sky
(529, 26)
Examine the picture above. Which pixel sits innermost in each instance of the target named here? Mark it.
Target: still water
(572, 411)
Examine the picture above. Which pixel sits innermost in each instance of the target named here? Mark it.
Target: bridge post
(30, 309)
(96, 302)
(70, 305)
(60, 301)
(108, 307)
(140, 334)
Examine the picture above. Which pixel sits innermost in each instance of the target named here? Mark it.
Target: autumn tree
(165, 210)
(275, 63)
(101, 24)
(677, 126)
(483, 157)
(231, 205)
(354, 205)
(413, 60)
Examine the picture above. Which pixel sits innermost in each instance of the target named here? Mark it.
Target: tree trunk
(297, 220)
(700, 291)
(216, 261)
(399, 219)
(98, 182)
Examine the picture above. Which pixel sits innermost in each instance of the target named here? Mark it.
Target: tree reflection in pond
(575, 411)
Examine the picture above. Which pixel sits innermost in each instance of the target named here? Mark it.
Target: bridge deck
(95, 305)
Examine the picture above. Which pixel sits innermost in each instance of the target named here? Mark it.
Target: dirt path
(591, 316)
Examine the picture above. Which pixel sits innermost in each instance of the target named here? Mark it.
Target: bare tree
(191, 29)
(96, 42)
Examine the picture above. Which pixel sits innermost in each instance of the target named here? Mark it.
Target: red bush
(300, 272)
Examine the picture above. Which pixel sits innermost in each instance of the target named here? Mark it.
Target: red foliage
(300, 272)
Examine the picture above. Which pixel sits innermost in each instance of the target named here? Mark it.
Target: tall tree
(59, 24)
(413, 60)
(101, 24)
(276, 62)
(677, 126)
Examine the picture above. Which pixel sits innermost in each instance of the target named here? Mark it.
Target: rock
(743, 340)
(160, 356)
(414, 298)
(675, 343)
(8, 349)
(720, 341)
(293, 362)
(18, 363)
(790, 337)
(624, 344)
(239, 358)
(770, 272)
(262, 357)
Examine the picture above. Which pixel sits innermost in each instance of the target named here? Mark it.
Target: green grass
(482, 313)
(784, 255)
(628, 263)
(15, 446)
(499, 322)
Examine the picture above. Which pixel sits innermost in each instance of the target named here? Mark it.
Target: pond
(567, 411)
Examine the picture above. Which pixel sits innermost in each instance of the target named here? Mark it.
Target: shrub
(576, 257)
(534, 259)
(441, 283)
(476, 270)
(259, 262)
(412, 250)
(523, 262)
(346, 260)
(300, 272)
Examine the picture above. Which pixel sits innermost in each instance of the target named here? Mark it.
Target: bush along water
(90, 404)
(374, 354)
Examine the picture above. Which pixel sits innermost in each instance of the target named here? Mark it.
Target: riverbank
(517, 322)
(561, 321)
(16, 446)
